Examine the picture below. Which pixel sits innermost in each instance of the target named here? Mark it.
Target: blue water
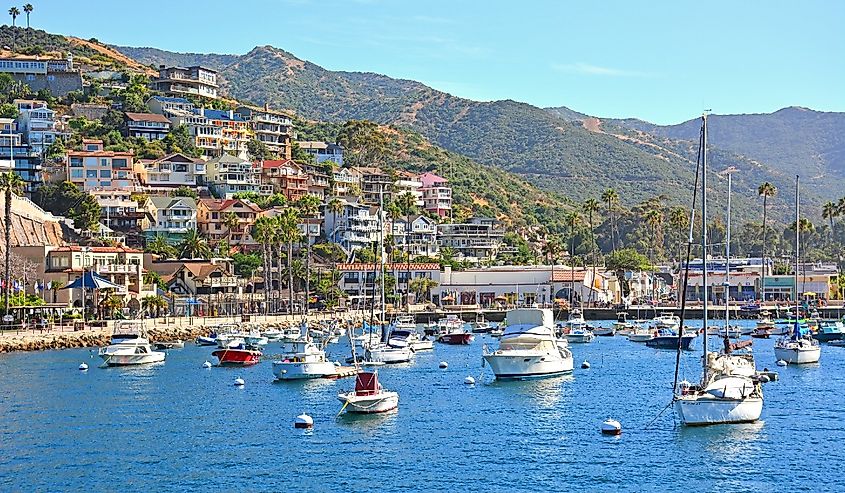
(178, 427)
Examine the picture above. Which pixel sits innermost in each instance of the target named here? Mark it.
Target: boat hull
(302, 371)
(604, 332)
(425, 345)
(799, 356)
(237, 357)
(670, 342)
(390, 355)
(369, 404)
(115, 359)
(455, 338)
(705, 411)
(579, 338)
(515, 367)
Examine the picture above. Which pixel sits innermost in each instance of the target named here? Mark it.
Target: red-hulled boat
(238, 356)
(456, 338)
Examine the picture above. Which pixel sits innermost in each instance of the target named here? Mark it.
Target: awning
(92, 281)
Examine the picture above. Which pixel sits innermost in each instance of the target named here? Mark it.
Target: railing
(118, 269)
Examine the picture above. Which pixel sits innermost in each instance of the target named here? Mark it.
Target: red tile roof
(222, 204)
(361, 266)
(567, 275)
(276, 163)
(147, 117)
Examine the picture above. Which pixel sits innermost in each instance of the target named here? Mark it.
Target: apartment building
(163, 175)
(180, 81)
(436, 194)
(286, 177)
(149, 126)
(94, 167)
(476, 240)
(273, 128)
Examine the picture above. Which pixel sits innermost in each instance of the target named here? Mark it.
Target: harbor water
(179, 427)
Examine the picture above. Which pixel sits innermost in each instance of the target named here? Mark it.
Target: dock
(345, 371)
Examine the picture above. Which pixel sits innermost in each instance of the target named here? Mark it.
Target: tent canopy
(91, 280)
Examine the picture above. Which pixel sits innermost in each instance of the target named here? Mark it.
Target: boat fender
(444, 364)
(239, 382)
(83, 367)
(469, 381)
(782, 363)
(585, 365)
(207, 364)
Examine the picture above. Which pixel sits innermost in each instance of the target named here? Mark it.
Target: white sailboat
(798, 347)
(528, 347)
(724, 395)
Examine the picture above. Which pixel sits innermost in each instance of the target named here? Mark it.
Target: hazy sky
(663, 61)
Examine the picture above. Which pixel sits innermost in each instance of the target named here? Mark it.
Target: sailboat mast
(381, 257)
(728, 261)
(796, 332)
(704, 236)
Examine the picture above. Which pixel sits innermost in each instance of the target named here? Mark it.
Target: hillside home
(346, 181)
(95, 168)
(170, 107)
(436, 194)
(163, 175)
(323, 151)
(37, 123)
(416, 235)
(273, 128)
(118, 211)
(195, 279)
(59, 76)
(149, 126)
(476, 240)
(356, 226)
(228, 175)
(23, 161)
(170, 217)
(375, 183)
(179, 81)
(286, 177)
(214, 216)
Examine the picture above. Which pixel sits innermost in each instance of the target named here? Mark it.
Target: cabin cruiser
(528, 347)
(229, 333)
(667, 321)
(578, 335)
(830, 331)
(576, 320)
(307, 361)
(410, 338)
(405, 322)
(622, 326)
(641, 334)
(368, 396)
(129, 346)
(765, 326)
(237, 353)
(668, 339)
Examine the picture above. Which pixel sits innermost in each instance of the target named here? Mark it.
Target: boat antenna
(688, 256)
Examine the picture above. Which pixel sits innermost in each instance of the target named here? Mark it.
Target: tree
(591, 205)
(153, 277)
(193, 245)
(364, 143)
(571, 220)
(136, 93)
(246, 264)
(185, 191)
(153, 304)
(231, 221)
(27, 10)
(626, 259)
(14, 12)
(262, 232)
(160, 246)
(257, 150)
(10, 184)
(288, 227)
(611, 198)
(8, 110)
(180, 140)
(830, 212)
(335, 206)
(765, 190)
(422, 287)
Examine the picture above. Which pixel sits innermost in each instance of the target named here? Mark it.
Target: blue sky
(663, 61)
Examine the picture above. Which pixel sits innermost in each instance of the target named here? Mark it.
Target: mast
(796, 332)
(728, 172)
(381, 258)
(703, 237)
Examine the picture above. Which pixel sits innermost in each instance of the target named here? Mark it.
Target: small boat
(838, 342)
(456, 338)
(406, 322)
(238, 355)
(177, 344)
(732, 331)
(528, 348)
(830, 331)
(448, 324)
(604, 331)
(667, 320)
(668, 339)
(388, 354)
(580, 335)
(641, 334)
(622, 325)
(481, 327)
(399, 337)
(129, 346)
(308, 362)
(368, 396)
(210, 340)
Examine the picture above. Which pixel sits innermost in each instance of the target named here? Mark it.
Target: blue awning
(91, 280)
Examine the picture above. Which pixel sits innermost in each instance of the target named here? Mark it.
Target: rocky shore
(91, 338)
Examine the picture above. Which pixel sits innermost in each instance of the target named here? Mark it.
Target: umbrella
(92, 281)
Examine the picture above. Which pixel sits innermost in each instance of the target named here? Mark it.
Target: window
(90, 173)
(51, 78)
(30, 77)
(105, 173)
(76, 173)
(350, 277)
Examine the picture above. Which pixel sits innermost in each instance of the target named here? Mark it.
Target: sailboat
(798, 347)
(729, 391)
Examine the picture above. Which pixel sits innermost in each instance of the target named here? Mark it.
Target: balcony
(118, 269)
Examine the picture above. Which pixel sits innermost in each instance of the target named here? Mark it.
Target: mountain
(558, 149)
(792, 140)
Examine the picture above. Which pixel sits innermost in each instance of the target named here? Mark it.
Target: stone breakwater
(88, 338)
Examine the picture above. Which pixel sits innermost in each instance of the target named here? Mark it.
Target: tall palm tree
(14, 12)
(262, 231)
(572, 220)
(679, 221)
(10, 184)
(830, 212)
(160, 246)
(231, 221)
(591, 205)
(766, 190)
(654, 219)
(335, 206)
(193, 245)
(27, 10)
(288, 227)
(407, 204)
(611, 199)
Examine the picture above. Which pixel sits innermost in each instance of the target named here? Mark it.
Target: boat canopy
(536, 321)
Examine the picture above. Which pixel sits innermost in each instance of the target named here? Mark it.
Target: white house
(354, 227)
(418, 236)
(169, 216)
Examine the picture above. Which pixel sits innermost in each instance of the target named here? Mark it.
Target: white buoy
(469, 381)
(444, 364)
(83, 367)
(239, 382)
(303, 421)
(782, 362)
(585, 365)
(611, 427)
(207, 364)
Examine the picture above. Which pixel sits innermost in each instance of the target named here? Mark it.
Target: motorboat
(309, 361)
(604, 331)
(129, 346)
(177, 344)
(237, 354)
(578, 335)
(641, 334)
(481, 327)
(830, 331)
(369, 396)
(668, 339)
(575, 320)
(528, 347)
(405, 322)
(765, 326)
(450, 323)
(453, 333)
(622, 325)
(388, 354)
(667, 320)
(410, 338)
(731, 331)
(272, 334)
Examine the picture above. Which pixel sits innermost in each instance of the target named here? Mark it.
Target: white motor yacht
(410, 337)
(528, 347)
(129, 346)
(309, 361)
(667, 321)
(641, 333)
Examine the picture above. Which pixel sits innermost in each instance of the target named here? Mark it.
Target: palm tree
(335, 206)
(231, 221)
(407, 204)
(288, 224)
(611, 198)
(653, 218)
(10, 184)
(193, 245)
(160, 246)
(14, 12)
(591, 205)
(830, 211)
(27, 10)
(262, 231)
(766, 190)
(679, 221)
(572, 220)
